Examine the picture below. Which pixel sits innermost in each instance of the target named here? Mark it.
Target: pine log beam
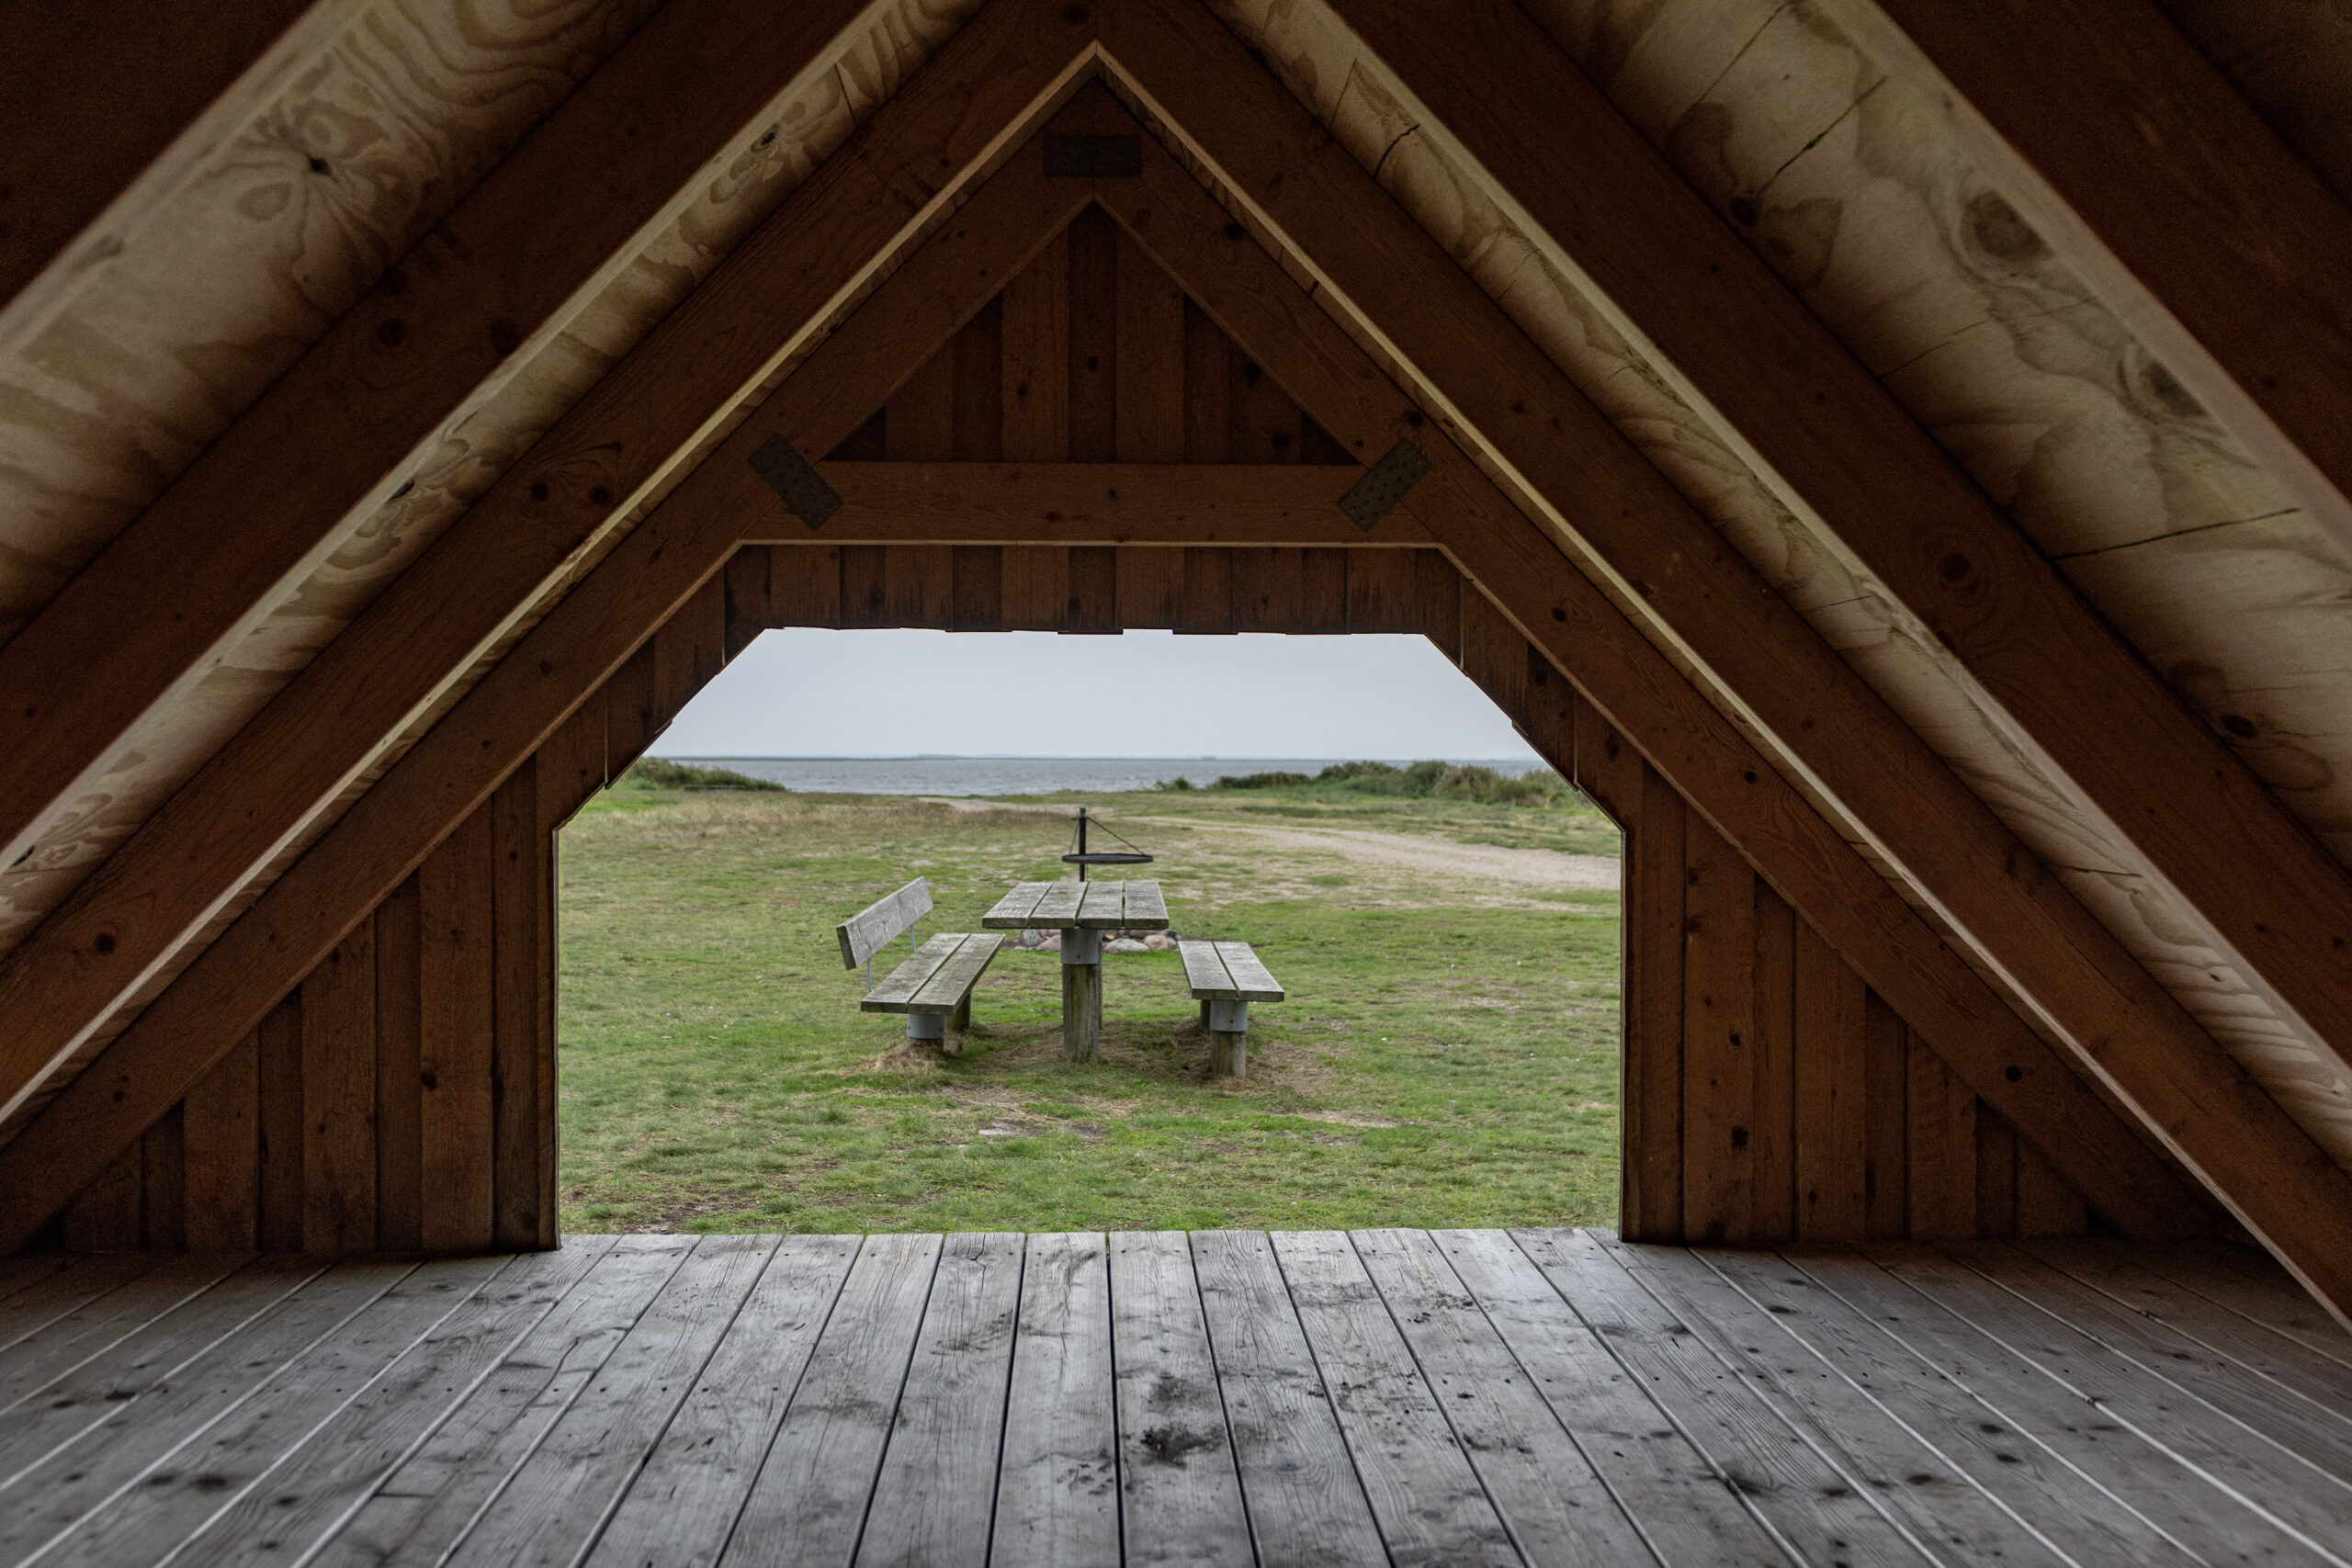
(338, 432)
(110, 106)
(1085, 504)
(1636, 530)
(437, 784)
(2160, 186)
(640, 423)
(2225, 226)
(1606, 657)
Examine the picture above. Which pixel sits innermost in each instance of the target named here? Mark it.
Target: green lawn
(1448, 1056)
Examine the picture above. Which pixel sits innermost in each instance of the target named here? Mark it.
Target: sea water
(1029, 776)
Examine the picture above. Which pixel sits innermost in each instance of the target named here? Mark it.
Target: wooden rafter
(439, 783)
(1403, 291)
(353, 411)
(289, 763)
(2173, 791)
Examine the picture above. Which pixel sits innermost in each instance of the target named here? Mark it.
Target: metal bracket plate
(802, 488)
(1094, 157)
(1383, 484)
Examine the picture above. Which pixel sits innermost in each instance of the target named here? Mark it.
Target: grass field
(1448, 1056)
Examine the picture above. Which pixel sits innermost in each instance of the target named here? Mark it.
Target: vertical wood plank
(1996, 1176)
(1151, 586)
(543, 930)
(280, 1074)
(919, 585)
(1493, 654)
(1093, 589)
(1942, 1148)
(919, 422)
(1608, 769)
(1718, 1038)
(522, 1065)
(1832, 1152)
(631, 717)
(977, 589)
(748, 613)
(571, 762)
(1323, 591)
(1036, 359)
(1093, 337)
(1265, 421)
(221, 1134)
(1268, 590)
(805, 585)
(1036, 588)
(2047, 1206)
(400, 1103)
(689, 649)
(1207, 603)
(978, 352)
(1442, 588)
(339, 1096)
(1384, 591)
(1150, 403)
(1208, 389)
(1885, 1071)
(1652, 1093)
(865, 586)
(1548, 711)
(162, 1174)
(454, 892)
(103, 1217)
(1771, 1128)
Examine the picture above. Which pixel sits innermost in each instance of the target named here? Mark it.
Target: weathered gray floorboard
(425, 1508)
(67, 1290)
(1424, 1494)
(143, 1437)
(2037, 1412)
(2223, 1451)
(96, 1328)
(216, 1471)
(552, 1511)
(684, 1503)
(24, 1269)
(1925, 1487)
(308, 1497)
(1557, 1508)
(2249, 1285)
(809, 1504)
(1305, 1502)
(153, 1359)
(1805, 1500)
(1687, 1513)
(1179, 1496)
(939, 1474)
(1058, 1481)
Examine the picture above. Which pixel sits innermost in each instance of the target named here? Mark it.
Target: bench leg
(926, 1027)
(1228, 1024)
(1082, 994)
(960, 1021)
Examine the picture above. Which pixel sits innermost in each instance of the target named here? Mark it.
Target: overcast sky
(802, 693)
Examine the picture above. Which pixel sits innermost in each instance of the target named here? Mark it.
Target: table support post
(1082, 993)
(1229, 1026)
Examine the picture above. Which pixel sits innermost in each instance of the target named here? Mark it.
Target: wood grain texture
(400, 1069)
(279, 1039)
(1179, 1496)
(458, 1038)
(1719, 1071)
(1058, 1477)
(221, 1123)
(523, 1052)
(1828, 1047)
(338, 1091)
(1653, 987)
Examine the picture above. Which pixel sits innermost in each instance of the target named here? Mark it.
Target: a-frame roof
(2009, 534)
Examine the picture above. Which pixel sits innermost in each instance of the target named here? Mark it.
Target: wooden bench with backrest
(933, 986)
(1225, 978)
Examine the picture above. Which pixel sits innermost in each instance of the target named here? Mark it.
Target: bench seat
(935, 984)
(1225, 978)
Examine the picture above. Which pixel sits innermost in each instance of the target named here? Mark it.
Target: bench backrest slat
(866, 932)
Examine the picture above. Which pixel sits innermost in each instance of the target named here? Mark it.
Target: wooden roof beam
(337, 431)
(1091, 503)
(131, 918)
(2269, 284)
(1402, 289)
(439, 782)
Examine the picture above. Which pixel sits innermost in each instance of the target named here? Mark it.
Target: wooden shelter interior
(1892, 456)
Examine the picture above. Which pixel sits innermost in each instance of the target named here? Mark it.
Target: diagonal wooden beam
(1636, 532)
(2159, 186)
(439, 781)
(1522, 571)
(110, 106)
(2263, 283)
(635, 428)
(338, 432)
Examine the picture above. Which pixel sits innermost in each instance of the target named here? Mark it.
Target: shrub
(659, 772)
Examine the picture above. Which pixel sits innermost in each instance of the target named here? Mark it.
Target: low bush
(1420, 780)
(660, 772)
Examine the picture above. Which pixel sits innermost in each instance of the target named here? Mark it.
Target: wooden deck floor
(1226, 1397)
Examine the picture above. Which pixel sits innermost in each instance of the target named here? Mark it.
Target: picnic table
(1082, 911)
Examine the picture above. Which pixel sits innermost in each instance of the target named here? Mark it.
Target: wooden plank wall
(1769, 1094)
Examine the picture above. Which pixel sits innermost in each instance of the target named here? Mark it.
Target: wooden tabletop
(1090, 906)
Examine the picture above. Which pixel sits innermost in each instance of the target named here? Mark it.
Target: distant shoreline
(974, 775)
